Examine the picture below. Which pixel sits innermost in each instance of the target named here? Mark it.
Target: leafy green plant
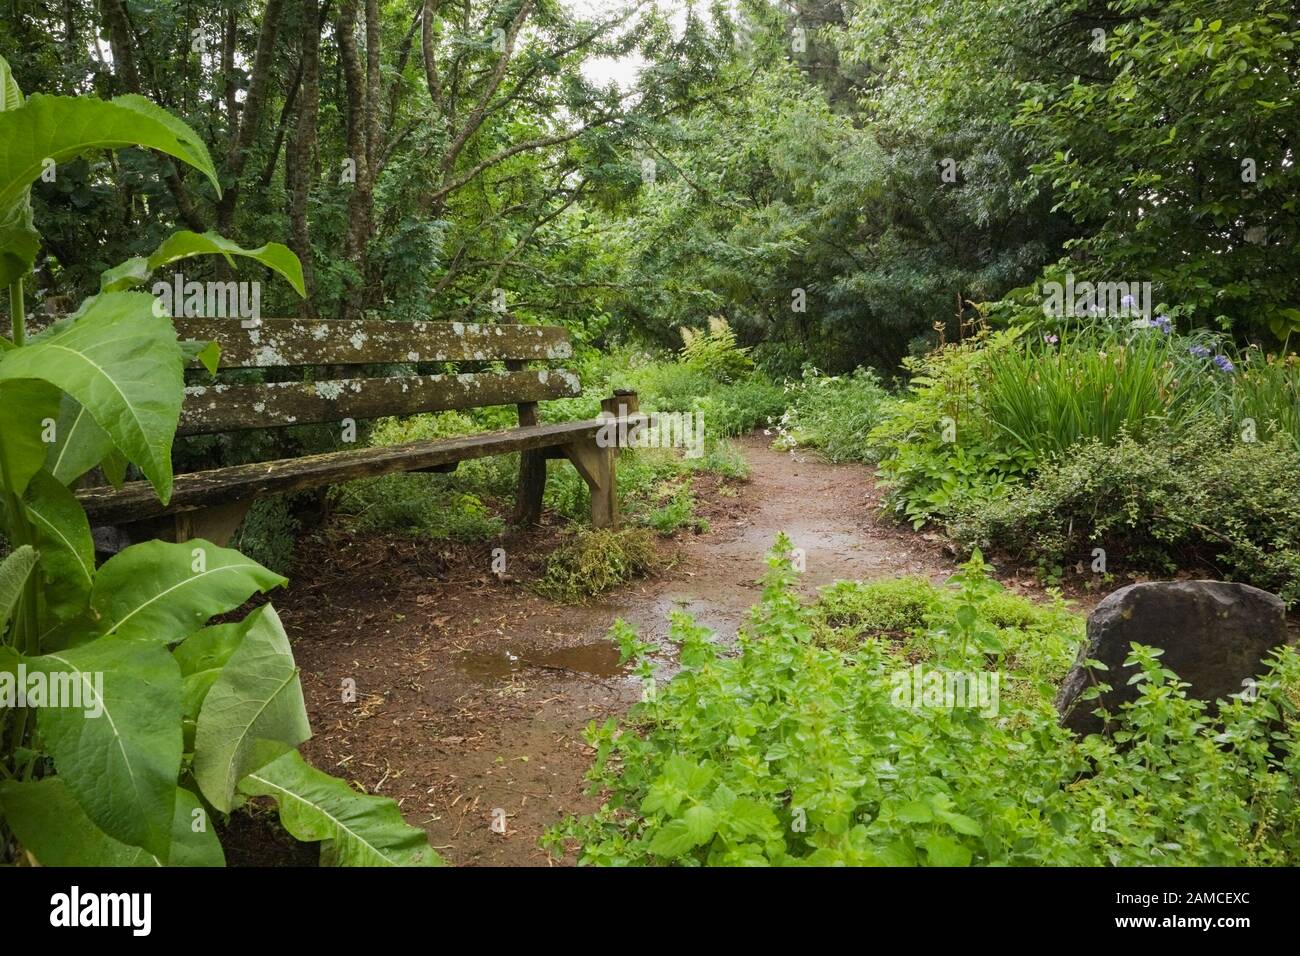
(834, 414)
(1265, 396)
(935, 444)
(1206, 498)
(678, 511)
(741, 407)
(783, 751)
(136, 722)
(427, 505)
(269, 533)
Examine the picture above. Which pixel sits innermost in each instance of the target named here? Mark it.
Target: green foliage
(714, 351)
(269, 533)
(184, 245)
(935, 444)
(677, 511)
(595, 560)
(142, 722)
(1091, 385)
(1186, 103)
(662, 385)
(417, 504)
(354, 829)
(786, 752)
(1158, 505)
(892, 608)
(1265, 396)
(739, 408)
(834, 414)
(1039, 640)
(721, 458)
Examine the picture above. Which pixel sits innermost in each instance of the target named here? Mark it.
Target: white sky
(623, 70)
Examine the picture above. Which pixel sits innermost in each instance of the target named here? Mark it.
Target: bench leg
(532, 482)
(596, 465)
(216, 524)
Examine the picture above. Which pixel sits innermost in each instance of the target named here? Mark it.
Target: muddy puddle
(599, 660)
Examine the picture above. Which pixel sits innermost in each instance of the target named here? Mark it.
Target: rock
(1215, 636)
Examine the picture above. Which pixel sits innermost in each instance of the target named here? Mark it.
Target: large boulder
(1215, 636)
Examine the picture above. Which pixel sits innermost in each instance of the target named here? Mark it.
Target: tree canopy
(840, 180)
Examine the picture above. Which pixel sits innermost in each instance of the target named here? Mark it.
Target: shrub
(663, 386)
(197, 719)
(595, 560)
(1039, 639)
(677, 511)
(936, 445)
(892, 608)
(741, 407)
(269, 534)
(788, 752)
(1158, 505)
(834, 414)
(721, 458)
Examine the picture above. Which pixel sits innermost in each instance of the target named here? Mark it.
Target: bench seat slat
(296, 342)
(226, 408)
(135, 500)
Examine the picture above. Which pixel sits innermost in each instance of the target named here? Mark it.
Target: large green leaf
(59, 128)
(13, 575)
(66, 547)
(122, 362)
(8, 660)
(159, 591)
(11, 97)
(29, 412)
(201, 657)
(19, 240)
(355, 829)
(184, 244)
(63, 127)
(194, 838)
(253, 712)
(52, 827)
(80, 444)
(120, 753)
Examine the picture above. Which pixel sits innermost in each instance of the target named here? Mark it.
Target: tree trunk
(361, 200)
(301, 167)
(244, 130)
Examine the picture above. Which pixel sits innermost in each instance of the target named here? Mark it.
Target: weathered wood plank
(295, 342)
(225, 408)
(135, 500)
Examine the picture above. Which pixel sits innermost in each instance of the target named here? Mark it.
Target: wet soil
(463, 695)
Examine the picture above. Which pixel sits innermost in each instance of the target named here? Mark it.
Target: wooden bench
(211, 504)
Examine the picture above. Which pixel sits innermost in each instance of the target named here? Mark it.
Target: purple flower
(1050, 339)
(1199, 351)
(1224, 363)
(1127, 302)
(1162, 323)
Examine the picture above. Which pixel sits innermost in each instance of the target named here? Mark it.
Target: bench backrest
(281, 343)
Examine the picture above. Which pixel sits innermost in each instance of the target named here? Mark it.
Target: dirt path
(472, 693)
